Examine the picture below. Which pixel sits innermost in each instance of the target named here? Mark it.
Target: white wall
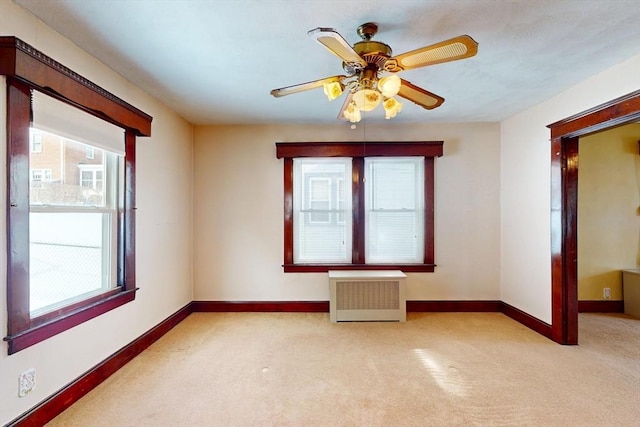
(525, 183)
(238, 214)
(164, 232)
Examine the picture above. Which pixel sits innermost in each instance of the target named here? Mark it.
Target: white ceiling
(215, 61)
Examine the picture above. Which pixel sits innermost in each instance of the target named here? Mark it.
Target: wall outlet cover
(26, 382)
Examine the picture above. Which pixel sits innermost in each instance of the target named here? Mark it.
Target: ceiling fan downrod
(367, 30)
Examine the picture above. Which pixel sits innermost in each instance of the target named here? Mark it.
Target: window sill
(39, 333)
(323, 268)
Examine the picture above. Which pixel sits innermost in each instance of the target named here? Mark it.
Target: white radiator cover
(367, 296)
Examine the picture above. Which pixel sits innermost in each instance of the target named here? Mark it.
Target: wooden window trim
(358, 151)
(27, 64)
(26, 70)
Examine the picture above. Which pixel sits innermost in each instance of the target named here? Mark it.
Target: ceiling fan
(372, 71)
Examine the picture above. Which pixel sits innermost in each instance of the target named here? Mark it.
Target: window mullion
(429, 215)
(357, 175)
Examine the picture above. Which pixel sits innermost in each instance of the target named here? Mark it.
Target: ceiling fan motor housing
(373, 52)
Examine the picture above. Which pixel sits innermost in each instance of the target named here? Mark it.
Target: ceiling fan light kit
(372, 69)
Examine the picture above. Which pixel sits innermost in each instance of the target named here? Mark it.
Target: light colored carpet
(437, 369)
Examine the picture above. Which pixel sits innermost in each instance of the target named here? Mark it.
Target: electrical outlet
(606, 293)
(26, 382)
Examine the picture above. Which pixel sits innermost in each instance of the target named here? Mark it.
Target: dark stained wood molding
(288, 211)
(128, 224)
(323, 306)
(36, 334)
(429, 212)
(564, 205)
(21, 60)
(323, 268)
(570, 234)
(51, 316)
(609, 306)
(558, 311)
(564, 248)
(443, 306)
(261, 306)
(67, 396)
(358, 216)
(616, 112)
(74, 391)
(413, 306)
(526, 319)
(17, 209)
(359, 149)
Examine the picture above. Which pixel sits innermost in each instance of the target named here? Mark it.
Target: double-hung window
(73, 217)
(321, 202)
(36, 143)
(38, 175)
(359, 205)
(394, 210)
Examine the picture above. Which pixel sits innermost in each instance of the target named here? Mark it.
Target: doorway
(564, 206)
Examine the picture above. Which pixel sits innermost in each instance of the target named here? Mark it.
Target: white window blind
(394, 210)
(322, 210)
(69, 122)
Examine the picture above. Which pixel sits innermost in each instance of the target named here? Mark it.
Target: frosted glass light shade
(389, 86)
(352, 113)
(332, 90)
(367, 99)
(391, 107)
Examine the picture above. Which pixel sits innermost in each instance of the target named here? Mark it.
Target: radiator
(367, 296)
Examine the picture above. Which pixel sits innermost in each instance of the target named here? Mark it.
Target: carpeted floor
(437, 369)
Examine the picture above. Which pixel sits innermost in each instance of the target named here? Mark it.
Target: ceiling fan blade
(419, 96)
(345, 104)
(338, 45)
(449, 50)
(305, 86)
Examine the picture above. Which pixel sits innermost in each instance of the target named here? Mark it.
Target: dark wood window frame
(358, 151)
(27, 69)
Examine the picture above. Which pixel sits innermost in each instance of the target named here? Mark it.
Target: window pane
(72, 222)
(61, 174)
(319, 199)
(322, 210)
(69, 257)
(394, 210)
